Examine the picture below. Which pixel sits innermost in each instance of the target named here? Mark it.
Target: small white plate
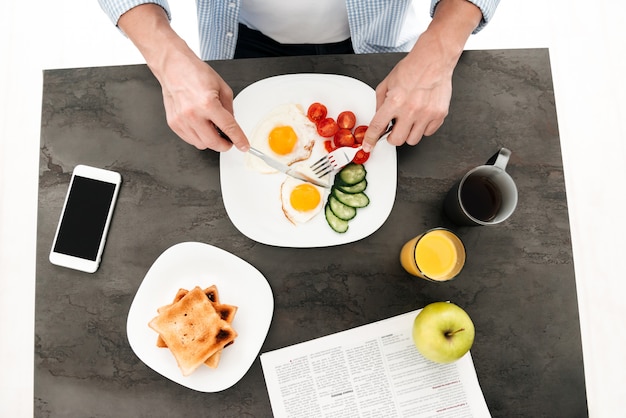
(191, 264)
(252, 200)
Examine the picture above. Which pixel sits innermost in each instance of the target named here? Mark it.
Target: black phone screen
(84, 218)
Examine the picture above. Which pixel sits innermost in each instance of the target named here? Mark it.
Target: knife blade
(283, 168)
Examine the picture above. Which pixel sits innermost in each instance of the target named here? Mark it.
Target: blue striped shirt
(375, 25)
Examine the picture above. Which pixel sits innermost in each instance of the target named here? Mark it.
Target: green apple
(443, 332)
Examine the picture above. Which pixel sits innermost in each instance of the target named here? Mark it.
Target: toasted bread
(179, 295)
(193, 330)
(210, 292)
(226, 312)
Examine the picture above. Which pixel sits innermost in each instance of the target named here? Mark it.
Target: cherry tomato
(359, 133)
(317, 112)
(327, 127)
(344, 138)
(361, 157)
(329, 145)
(346, 120)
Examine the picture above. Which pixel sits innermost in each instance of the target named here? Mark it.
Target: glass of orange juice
(437, 255)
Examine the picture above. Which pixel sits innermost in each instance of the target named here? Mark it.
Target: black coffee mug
(486, 195)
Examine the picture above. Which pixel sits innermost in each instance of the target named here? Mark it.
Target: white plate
(191, 264)
(252, 200)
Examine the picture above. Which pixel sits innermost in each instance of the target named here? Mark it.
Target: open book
(370, 371)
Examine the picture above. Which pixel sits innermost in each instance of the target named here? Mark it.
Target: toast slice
(193, 330)
(226, 312)
(210, 292)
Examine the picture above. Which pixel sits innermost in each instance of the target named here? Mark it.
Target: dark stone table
(518, 284)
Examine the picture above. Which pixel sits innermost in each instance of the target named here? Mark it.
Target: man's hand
(418, 90)
(197, 100)
(416, 93)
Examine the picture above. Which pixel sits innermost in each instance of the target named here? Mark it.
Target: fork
(339, 158)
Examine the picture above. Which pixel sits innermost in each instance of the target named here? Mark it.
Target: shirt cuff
(487, 8)
(115, 8)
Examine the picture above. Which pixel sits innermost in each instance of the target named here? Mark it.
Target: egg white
(293, 215)
(284, 115)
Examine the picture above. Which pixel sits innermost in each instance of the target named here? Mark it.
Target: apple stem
(449, 334)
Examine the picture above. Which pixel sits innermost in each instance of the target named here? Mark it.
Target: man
(416, 92)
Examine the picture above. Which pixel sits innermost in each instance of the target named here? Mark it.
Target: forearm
(453, 23)
(195, 97)
(148, 27)
(487, 8)
(417, 92)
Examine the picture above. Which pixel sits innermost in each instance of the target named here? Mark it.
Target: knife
(283, 168)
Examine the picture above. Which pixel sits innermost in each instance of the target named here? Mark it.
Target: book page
(370, 371)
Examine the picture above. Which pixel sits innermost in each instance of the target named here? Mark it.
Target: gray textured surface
(518, 284)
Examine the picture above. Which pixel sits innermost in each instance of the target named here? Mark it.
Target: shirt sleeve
(487, 7)
(116, 8)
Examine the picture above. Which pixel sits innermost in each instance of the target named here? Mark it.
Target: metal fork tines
(334, 160)
(340, 157)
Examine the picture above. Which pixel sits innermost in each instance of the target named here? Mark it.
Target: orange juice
(437, 255)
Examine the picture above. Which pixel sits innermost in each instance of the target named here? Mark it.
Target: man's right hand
(196, 98)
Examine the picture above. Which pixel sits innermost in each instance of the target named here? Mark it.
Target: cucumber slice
(340, 210)
(356, 200)
(352, 174)
(338, 225)
(356, 188)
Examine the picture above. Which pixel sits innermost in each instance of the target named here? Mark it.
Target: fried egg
(285, 134)
(301, 201)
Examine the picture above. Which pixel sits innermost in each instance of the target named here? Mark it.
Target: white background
(587, 44)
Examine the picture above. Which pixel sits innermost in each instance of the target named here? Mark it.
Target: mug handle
(500, 159)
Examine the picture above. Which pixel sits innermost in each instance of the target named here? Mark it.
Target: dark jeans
(253, 44)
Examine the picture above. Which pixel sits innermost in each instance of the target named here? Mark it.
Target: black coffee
(481, 198)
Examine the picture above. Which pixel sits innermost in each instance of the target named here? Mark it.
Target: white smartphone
(85, 218)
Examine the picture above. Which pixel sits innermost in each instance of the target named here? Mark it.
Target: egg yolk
(304, 197)
(282, 140)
